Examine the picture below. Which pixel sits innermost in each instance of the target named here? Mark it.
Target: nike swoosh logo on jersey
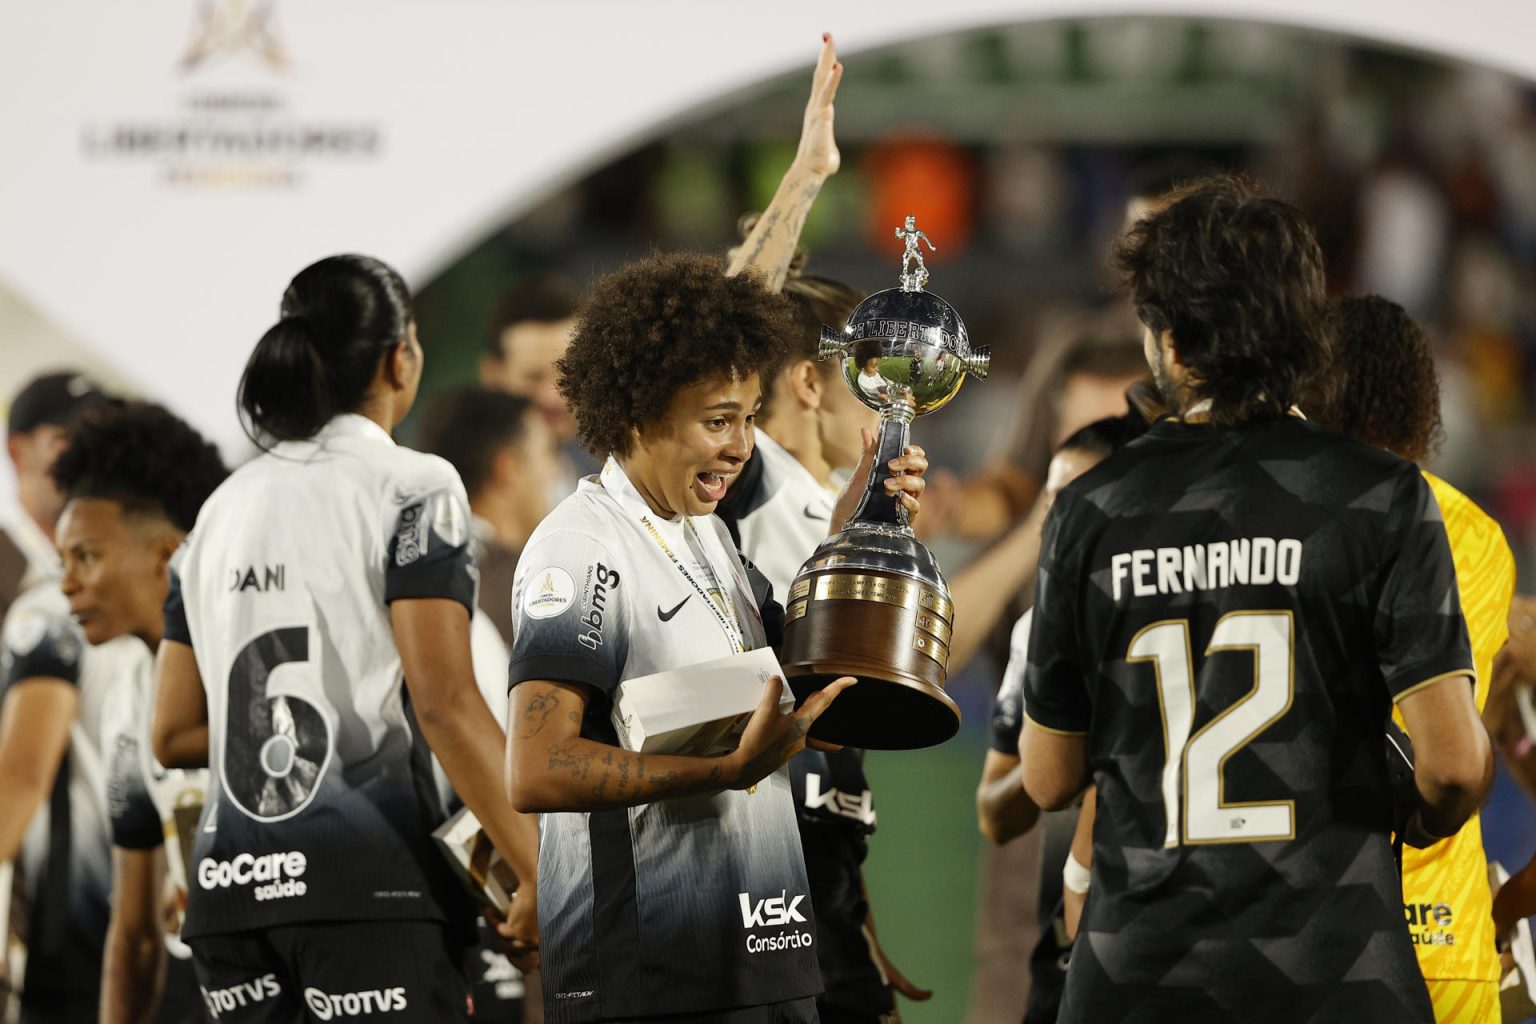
(667, 616)
(811, 513)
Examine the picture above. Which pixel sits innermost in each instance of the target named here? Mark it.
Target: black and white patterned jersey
(66, 855)
(681, 906)
(321, 800)
(147, 804)
(779, 513)
(785, 515)
(1228, 615)
(142, 796)
(1008, 707)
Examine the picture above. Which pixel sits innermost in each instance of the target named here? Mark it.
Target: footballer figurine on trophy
(871, 602)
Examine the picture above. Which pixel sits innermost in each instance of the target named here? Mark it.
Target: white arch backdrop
(168, 166)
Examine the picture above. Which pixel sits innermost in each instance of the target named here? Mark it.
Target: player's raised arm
(770, 246)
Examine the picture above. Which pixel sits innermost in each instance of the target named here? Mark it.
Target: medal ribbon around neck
(732, 630)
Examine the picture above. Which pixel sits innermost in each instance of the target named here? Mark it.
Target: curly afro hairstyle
(659, 325)
(142, 456)
(1238, 280)
(1382, 387)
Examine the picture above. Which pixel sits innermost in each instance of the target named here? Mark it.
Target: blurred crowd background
(1017, 148)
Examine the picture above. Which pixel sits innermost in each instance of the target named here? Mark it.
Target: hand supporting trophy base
(872, 602)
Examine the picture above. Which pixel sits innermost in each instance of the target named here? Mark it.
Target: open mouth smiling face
(684, 463)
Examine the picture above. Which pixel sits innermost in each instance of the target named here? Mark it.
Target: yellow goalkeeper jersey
(1446, 898)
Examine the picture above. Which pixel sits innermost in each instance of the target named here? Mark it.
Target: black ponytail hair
(339, 317)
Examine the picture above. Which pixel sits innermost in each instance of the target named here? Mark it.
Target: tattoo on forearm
(779, 227)
(614, 776)
(536, 715)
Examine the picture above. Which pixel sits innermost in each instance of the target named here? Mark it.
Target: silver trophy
(871, 602)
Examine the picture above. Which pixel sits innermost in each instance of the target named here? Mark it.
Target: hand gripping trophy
(871, 602)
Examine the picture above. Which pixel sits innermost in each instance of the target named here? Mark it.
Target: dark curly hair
(142, 456)
(656, 326)
(1382, 387)
(1238, 280)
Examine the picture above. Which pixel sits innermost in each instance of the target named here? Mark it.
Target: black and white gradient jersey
(1228, 615)
(682, 906)
(321, 800)
(1008, 707)
(142, 796)
(779, 513)
(66, 855)
(145, 803)
(785, 515)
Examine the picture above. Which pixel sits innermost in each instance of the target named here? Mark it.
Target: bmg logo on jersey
(773, 912)
(279, 874)
(600, 580)
(330, 1005)
(237, 997)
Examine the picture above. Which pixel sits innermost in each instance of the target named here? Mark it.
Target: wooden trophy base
(889, 631)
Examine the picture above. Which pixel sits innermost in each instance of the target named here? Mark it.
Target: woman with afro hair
(670, 886)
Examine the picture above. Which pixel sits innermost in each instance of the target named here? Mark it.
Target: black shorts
(402, 972)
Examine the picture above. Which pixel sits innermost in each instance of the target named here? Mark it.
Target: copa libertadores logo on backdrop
(229, 27)
(248, 108)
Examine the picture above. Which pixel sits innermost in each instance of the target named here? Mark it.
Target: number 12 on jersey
(1194, 766)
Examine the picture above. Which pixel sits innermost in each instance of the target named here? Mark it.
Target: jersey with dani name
(683, 906)
(321, 799)
(1227, 616)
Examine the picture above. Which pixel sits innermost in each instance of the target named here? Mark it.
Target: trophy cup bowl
(871, 602)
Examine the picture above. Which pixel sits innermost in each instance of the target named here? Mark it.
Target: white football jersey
(321, 800)
(681, 906)
(787, 516)
(143, 797)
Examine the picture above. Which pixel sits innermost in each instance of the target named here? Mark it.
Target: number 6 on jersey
(1194, 767)
(277, 746)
